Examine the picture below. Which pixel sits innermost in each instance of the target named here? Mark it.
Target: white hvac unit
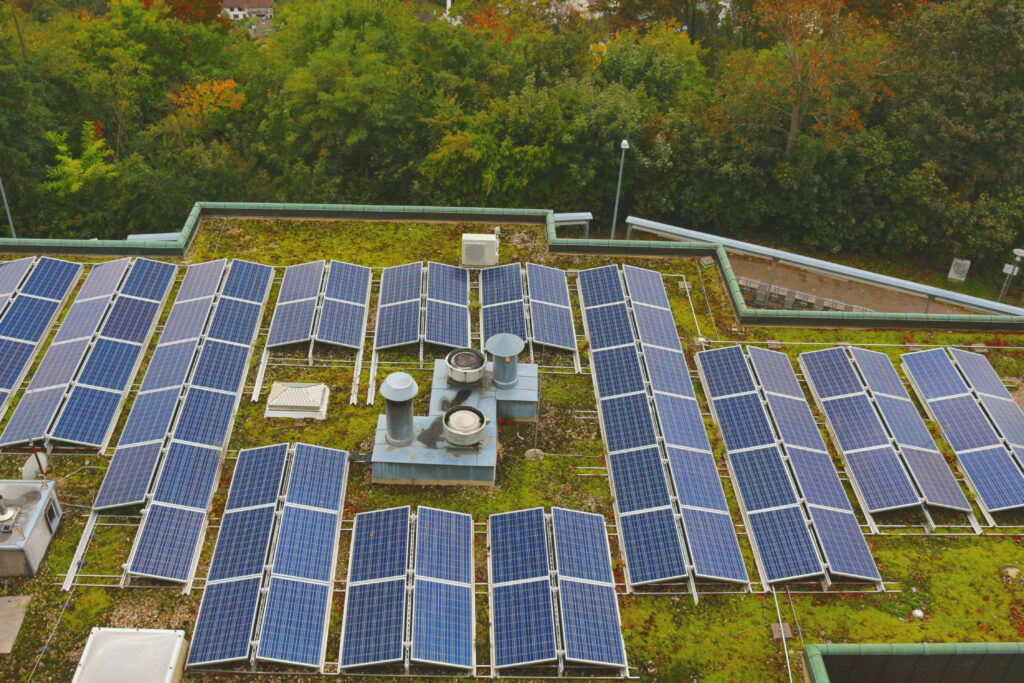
(479, 250)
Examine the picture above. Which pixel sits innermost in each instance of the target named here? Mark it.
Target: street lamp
(1011, 269)
(622, 161)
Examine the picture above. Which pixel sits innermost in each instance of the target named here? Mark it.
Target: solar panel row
(503, 310)
(834, 523)
(296, 304)
(990, 391)
(398, 306)
(550, 311)
(447, 305)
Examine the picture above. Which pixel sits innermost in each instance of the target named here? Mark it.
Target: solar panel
(608, 326)
(224, 625)
(82, 320)
(590, 621)
(878, 372)
(762, 477)
(933, 475)
(110, 365)
(518, 546)
(743, 422)
(380, 541)
(1006, 415)
(501, 284)
(148, 279)
(617, 371)
(523, 619)
(306, 544)
(247, 281)
(87, 416)
(997, 479)
(696, 479)
(128, 476)
(28, 318)
(652, 546)
(188, 476)
(257, 478)
(774, 372)
(547, 285)
(831, 373)
(169, 366)
(656, 326)
(103, 279)
(400, 283)
(301, 282)
(934, 375)
(507, 318)
(444, 545)
(725, 372)
(294, 622)
(150, 417)
(905, 423)
(681, 421)
(398, 324)
(349, 282)
(187, 320)
(131, 319)
(242, 543)
(668, 371)
(979, 373)
(373, 623)
(645, 286)
(447, 324)
(599, 286)
(13, 272)
(343, 323)
(317, 477)
(581, 545)
(235, 321)
(795, 422)
(713, 545)
(221, 366)
(553, 326)
(51, 278)
(638, 480)
(819, 481)
(881, 479)
(32, 417)
(201, 280)
(627, 422)
(292, 322)
(167, 542)
(442, 624)
(963, 423)
(14, 356)
(784, 544)
(205, 417)
(842, 543)
(447, 283)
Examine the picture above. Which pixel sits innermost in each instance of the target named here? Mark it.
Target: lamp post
(622, 161)
(10, 222)
(1011, 270)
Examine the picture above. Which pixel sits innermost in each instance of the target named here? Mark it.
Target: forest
(886, 128)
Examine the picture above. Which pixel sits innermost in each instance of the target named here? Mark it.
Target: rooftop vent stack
(505, 349)
(464, 426)
(465, 366)
(399, 389)
(3, 507)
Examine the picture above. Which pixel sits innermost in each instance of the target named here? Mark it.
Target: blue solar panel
(201, 280)
(131, 319)
(128, 476)
(774, 371)
(13, 272)
(306, 544)
(169, 366)
(293, 622)
(725, 371)
(13, 359)
(442, 624)
(167, 542)
(447, 283)
(27, 318)
(581, 545)
(762, 478)
(934, 374)
(656, 326)
(645, 286)
(795, 422)
(627, 422)
(932, 474)
(507, 318)
(343, 323)
(553, 326)
(221, 366)
(224, 626)
(397, 325)
(51, 278)
(696, 478)
(784, 543)
(348, 282)
(501, 284)
(205, 417)
(248, 281)
(87, 416)
(103, 279)
(447, 324)
(590, 621)
(444, 545)
(257, 478)
(997, 479)
(653, 549)
(518, 545)
(187, 320)
(150, 417)
(148, 279)
(881, 479)
(235, 321)
(400, 283)
(855, 423)
(32, 416)
(374, 623)
(843, 545)
(82, 320)
(819, 481)
(242, 543)
(963, 423)
(292, 322)
(831, 373)
(878, 372)
(681, 422)
(904, 422)
(639, 480)
(617, 371)
(980, 374)
(524, 627)
(188, 476)
(380, 545)
(600, 286)
(547, 284)
(1006, 414)
(301, 282)
(668, 371)
(743, 422)
(110, 365)
(713, 545)
(609, 326)
(317, 477)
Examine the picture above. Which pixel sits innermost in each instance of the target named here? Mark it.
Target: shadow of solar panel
(242, 544)
(400, 283)
(964, 423)
(148, 279)
(935, 479)
(547, 284)
(257, 478)
(82, 320)
(13, 272)
(656, 326)
(130, 319)
(878, 372)
(695, 475)
(590, 621)
(831, 373)
(293, 322)
(599, 286)
(301, 282)
(167, 542)
(501, 284)
(87, 416)
(128, 476)
(507, 318)
(653, 547)
(51, 278)
(681, 421)
(627, 422)
(201, 280)
(617, 371)
(725, 371)
(349, 282)
(188, 476)
(14, 357)
(235, 321)
(581, 545)
(785, 545)
(795, 422)
(519, 548)
(373, 625)
(442, 624)
(150, 417)
(444, 545)
(645, 286)
(447, 324)
(609, 326)
(855, 423)
(397, 325)
(343, 323)
(524, 625)
(59, 365)
(205, 417)
(980, 373)
(552, 326)
(881, 479)
(224, 626)
(775, 372)
(904, 422)
(762, 478)
(247, 281)
(668, 371)
(32, 416)
(110, 365)
(27, 318)
(317, 477)
(638, 480)
(380, 545)
(169, 366)
(743, 422)
(293, 622)
(306, 544)
(187, 320)
(846, 552)
(447, 283)
(934, 374)
(221, 366)
(818, 478)
(713, 545)
(997, 479)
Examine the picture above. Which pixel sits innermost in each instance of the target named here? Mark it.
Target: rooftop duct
(505, 349)
(399, 389)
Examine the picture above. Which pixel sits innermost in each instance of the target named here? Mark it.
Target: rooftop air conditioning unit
(479, 250)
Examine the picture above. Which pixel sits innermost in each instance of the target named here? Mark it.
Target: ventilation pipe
(505, 350)
(399, 389)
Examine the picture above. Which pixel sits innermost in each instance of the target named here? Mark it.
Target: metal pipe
(622, 162)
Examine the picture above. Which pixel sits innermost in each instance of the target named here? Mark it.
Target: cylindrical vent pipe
(399, 389)
(505, 350)
(3, 506)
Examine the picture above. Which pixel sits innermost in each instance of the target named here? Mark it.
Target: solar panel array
(227, 613)
(141, 443)
(398, 306)
(990, 391)
(708, 527)
(984, 457)
(167, 544)
(346, 305)
(296, 304)
(776, 525)
(91, 409)
(589, 610)
(921, 455)
(29, 306)
(298, 606)
(501, 296)
(550, 310)
(841, 540)
(877, 473)
(447, 305)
